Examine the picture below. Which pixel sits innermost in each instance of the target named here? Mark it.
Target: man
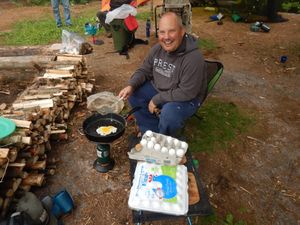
(66, 5)
(113, 4)
(172, 80)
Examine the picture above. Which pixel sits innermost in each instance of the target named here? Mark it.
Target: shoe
(59, 25)
(69, 25)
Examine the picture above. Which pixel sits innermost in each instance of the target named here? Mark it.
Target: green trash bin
(121, 36)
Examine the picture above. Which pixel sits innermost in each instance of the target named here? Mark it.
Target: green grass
(143, 16)
(44, 30)
(207, 44)
(221, 124)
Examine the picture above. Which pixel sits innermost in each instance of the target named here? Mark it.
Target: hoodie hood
(188, 44)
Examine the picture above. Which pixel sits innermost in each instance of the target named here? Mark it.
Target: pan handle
(134, 109)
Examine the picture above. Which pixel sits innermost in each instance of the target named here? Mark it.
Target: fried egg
(106, 130)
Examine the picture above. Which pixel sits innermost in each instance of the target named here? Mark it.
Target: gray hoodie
(177, 76)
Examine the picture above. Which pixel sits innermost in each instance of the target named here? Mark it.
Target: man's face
(170, 34)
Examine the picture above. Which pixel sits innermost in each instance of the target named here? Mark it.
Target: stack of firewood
(41, 113)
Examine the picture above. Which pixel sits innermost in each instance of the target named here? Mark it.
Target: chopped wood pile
(41, 113)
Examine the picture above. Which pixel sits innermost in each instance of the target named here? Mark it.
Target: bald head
(171, 16)
(170, 31)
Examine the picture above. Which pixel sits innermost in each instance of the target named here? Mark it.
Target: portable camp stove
(104, 162)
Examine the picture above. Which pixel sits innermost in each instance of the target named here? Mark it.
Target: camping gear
(104, 102)
(131, 23)
(161, 189)
(30, 210)
(283, 59)
(7, 127)
(160, 149)
(104, 162)
(214, 72)
(63, 201)
(122, 37)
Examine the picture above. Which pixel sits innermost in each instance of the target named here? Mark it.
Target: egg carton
(160, 149)
(159, 188)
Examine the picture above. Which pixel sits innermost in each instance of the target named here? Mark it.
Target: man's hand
(151, 107)
(126, 92)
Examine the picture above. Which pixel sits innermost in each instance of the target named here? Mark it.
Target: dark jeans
(172, 117)
(102, 16)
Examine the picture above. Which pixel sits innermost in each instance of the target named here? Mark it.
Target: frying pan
(92, 123)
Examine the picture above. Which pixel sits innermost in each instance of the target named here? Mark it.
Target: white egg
(157, 147)
(143, 142)
(176, 142)
(180, 152)
(184, 145)
(164, 150)
(150, 145)
(172, 151)
(153, 139)
(149, 133)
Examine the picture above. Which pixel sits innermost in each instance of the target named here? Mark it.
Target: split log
(45, 103)
(5, 206)
(4, 152)
(39, 165)
(23, 61)
(34, 180)
(23, 123)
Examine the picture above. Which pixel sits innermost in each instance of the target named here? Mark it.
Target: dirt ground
(256, 178)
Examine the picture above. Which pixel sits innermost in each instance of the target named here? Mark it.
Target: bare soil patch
(256, 177)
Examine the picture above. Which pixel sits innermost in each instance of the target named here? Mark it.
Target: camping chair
(214, 72)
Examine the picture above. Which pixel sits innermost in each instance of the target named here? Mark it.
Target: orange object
(135, 3)
(105, 5)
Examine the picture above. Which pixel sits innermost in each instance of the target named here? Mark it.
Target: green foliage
(207, 44)
(44, 30)
(143, 16)
(46, 2)
(291, 7)
(229, 220)
(79, 1)
(221, 123)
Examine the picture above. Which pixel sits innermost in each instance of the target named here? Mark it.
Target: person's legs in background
(55, 6)
(67, 14)
(141, 97)
(101, 17)
(173, 116)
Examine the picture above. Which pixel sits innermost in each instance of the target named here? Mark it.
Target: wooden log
(23, 123)
(39, 165)
(57, 131)
(3, 161)
(36, 97)
(34, 180)
(13, 154)
(56, 76)
(60, 71)
(5, 206)
(23, 61)
(4, 152)
(16, 139)
(44, 103)
(8, 188)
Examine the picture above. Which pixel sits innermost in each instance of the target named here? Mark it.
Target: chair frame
(211, 80)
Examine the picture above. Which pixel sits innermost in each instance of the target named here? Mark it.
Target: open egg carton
(159, 188)
(160, 149)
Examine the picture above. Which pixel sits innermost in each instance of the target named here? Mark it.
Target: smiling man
(172, 80)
